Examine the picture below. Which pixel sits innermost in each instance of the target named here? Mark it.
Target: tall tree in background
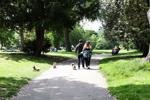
(42, 15)
(148, 17)
(126, 20)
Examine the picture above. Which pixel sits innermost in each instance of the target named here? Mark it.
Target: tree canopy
(53, 15)
(126, 20)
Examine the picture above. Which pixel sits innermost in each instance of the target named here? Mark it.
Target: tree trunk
(39, 40)
(145, 50)
(147, 59)
(149, 50)
(67, 40)
(148, 16)
(56, 41)
(21, 38)
(1, 45)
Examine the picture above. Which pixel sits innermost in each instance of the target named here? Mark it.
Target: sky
(88, 25)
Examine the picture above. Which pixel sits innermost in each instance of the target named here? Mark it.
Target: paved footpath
(63, 83)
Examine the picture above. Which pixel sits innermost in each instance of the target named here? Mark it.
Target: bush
(29, 46)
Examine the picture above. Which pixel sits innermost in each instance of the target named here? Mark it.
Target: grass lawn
(128, 78)
(101, 51)
(71, 55)
(109, 51)
(16, 71)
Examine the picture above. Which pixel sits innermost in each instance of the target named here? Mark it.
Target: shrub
(29, 46)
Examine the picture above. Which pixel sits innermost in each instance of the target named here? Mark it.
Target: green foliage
(127, 76)
(8, 38)
(29, 46)
(90, 35)
(50, 37)
(16, 70)
(86, 35)
(103, 43)
(126, 21)
(40, 15)
(76, 34)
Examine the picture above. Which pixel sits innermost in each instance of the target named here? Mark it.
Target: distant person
(115, 50)
(87, 52)
(78, 50)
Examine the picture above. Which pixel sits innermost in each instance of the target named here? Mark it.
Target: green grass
(101, 51)
(16, 71)
(109, 51)
(71, 55)
(127, 76)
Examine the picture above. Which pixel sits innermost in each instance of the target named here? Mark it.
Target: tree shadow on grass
(9, 86)
(130, 53)
(131, 92)
(42, 59)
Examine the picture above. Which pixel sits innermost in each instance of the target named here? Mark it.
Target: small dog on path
(73, 66)
(54, 65)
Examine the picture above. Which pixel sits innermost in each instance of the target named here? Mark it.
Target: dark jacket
(79, 48)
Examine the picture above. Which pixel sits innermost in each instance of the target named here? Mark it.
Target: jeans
(87, 61)
(80, 60)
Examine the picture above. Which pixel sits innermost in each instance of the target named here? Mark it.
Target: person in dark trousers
(115, 50)
(87, 53)
(78, 50)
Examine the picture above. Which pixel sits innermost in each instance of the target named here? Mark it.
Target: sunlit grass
(16, 70)
(109, 51)
(127, 76)
(101, 51)
(71, 55)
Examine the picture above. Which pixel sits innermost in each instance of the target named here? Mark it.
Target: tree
(76, 34)
(7, 38)
(126, 21)
(71, 12)
(43, 15)
(148, 17)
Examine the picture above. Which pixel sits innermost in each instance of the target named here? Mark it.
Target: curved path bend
(63, 83)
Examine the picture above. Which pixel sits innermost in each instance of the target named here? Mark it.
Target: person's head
(80, 41)
(87, 44)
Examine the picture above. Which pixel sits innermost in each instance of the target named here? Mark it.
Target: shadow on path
(64, 83)
(61, 88)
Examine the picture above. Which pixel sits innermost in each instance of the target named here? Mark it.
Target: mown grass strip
(16, 70)
(127, 76)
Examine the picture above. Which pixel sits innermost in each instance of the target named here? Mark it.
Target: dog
(54, 65)
(35, 69)
(73, 66)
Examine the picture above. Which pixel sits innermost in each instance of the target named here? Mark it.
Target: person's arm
(76, 48)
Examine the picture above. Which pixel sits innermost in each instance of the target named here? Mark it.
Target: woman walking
(87, 52)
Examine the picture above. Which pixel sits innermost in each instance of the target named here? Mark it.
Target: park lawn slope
(16, 70)
(127, 76)
(71, 55)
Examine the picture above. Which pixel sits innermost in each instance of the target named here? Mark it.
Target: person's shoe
(88, 67)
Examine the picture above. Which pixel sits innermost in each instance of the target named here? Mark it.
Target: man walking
(78, 50)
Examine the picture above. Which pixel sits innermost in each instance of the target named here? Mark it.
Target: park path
(63, 83)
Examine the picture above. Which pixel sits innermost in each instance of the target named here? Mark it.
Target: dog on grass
(35, 68)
